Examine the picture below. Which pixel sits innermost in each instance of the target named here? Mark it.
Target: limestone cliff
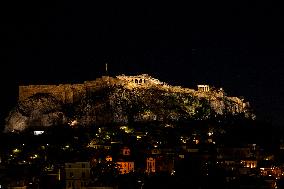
(120, 100)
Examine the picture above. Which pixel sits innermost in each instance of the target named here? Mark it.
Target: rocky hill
(124, 101)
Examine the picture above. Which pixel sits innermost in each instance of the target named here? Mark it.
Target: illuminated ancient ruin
(114, 99)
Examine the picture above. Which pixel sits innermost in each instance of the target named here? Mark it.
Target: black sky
(237, 47)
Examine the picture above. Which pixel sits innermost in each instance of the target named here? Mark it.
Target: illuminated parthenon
(203, 88)
(140, 79)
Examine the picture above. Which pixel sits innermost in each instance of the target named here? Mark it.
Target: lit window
(38, 132)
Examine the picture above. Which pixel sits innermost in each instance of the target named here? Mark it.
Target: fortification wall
(67, 93)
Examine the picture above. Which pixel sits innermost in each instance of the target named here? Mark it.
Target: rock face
(39, 110)
(120, 100)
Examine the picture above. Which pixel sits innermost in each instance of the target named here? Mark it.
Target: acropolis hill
(121, 99)
(70, 93)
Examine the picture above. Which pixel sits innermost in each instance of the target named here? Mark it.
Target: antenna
(106, 69)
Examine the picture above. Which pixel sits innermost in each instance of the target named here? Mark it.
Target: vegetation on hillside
(119, 104)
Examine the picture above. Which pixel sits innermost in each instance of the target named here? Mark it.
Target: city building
(77, 175)
(125, 167)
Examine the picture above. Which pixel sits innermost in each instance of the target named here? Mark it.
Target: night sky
(237, 47)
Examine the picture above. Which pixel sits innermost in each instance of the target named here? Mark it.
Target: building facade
(77, 175)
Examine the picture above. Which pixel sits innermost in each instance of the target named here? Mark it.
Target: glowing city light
(138, 137)
(73, 123)
(16, 150)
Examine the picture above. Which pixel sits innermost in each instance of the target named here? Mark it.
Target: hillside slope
(123, 103)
